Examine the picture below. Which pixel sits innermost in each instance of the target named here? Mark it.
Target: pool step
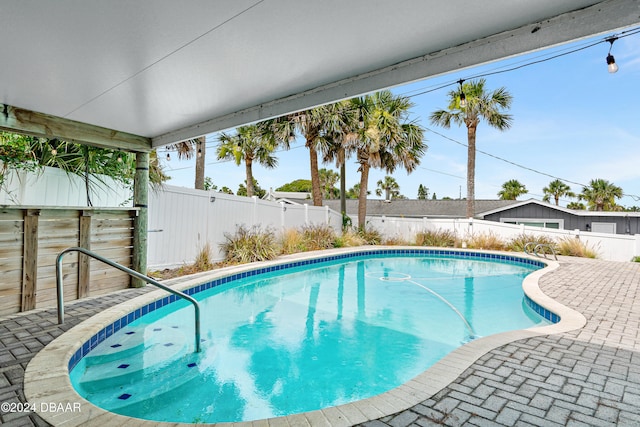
(136, 360)
(160, 384)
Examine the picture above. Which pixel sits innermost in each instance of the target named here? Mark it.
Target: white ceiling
(171, 70)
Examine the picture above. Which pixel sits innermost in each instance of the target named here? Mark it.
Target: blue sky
(571, 119)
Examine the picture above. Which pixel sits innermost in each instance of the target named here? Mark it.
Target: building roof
(140, 74)
(558, 208)
(418, 208)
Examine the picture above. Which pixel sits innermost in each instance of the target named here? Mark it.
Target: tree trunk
(200, 155)
(249, 173)
(316, 192)
(362, 198)
(471, 171)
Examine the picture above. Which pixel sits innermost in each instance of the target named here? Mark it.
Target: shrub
(395, 241)
(203, 259)
(317, 237)
(249, 245)
(347, 239)
(572, 246)
(439, 238)
(487, 241)
(371, 236)
(292, 241)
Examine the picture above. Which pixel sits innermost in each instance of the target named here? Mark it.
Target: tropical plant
(226, 190)
(511, 190)
(328, 180)
(601, 195)
(249, 245)
(209, 185)
(572, 246)
(423, 192)
(249, 144)
(389, 186)
(438, 238)
(257, 190)
(354, 192)
(487, 241)
(577, 206)
(557, 189)
(386, 141)
(311, 125)
(19, 152)
(370, 236)
(470, 109)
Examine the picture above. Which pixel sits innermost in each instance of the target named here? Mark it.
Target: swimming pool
(332, 330)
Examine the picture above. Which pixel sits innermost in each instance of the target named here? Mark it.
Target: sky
(572, 120)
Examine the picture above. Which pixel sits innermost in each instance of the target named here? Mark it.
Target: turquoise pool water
(304, 338)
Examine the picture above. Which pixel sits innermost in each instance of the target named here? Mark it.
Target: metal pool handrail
(537, 247)
(130, 272)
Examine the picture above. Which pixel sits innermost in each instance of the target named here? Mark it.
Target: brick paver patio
(587, 377)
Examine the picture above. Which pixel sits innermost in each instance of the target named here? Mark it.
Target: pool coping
(47, 377)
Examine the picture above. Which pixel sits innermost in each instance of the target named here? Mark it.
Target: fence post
(141, 221)
(636, 247)
(30, 260)
(306, 214)
(84, 242)
(326, 214)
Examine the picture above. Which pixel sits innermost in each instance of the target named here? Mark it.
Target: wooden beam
(14, 119)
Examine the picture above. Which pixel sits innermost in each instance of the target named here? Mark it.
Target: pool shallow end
(47, 381)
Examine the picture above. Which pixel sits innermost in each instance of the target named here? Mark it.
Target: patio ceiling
(140, 74)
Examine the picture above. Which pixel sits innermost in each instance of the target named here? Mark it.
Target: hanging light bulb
(199, 152)
(463, 97)
(119, 159)
(168, 157)
(54, 151)
(611, 61)
(292, 136)
(361, 120)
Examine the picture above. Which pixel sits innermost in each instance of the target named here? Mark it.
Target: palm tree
(478, 105)
(328, 180)
(309, 124)
(600, 195)
(390, 187)
(187, 150)
(342, 120)
(386, 140)
(512, 189)
(557, 189)
(249, 144)
(423, 192)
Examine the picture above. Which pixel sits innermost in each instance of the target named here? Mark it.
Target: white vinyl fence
(613, 247)
(182, 221)
(53, 187)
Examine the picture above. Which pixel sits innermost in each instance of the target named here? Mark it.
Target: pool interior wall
(110, 329)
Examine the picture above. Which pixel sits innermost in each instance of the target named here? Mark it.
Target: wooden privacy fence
(31, 238)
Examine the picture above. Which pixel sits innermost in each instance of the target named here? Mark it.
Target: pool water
(307, 338)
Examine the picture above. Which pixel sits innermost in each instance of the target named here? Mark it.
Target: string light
(611, 62)
(463, 97)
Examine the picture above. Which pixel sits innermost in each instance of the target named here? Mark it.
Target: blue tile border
(549, 315)
(110, 329)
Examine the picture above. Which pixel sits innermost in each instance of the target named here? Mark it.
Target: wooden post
(84, 270)
(140, 222)
(30, 260)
